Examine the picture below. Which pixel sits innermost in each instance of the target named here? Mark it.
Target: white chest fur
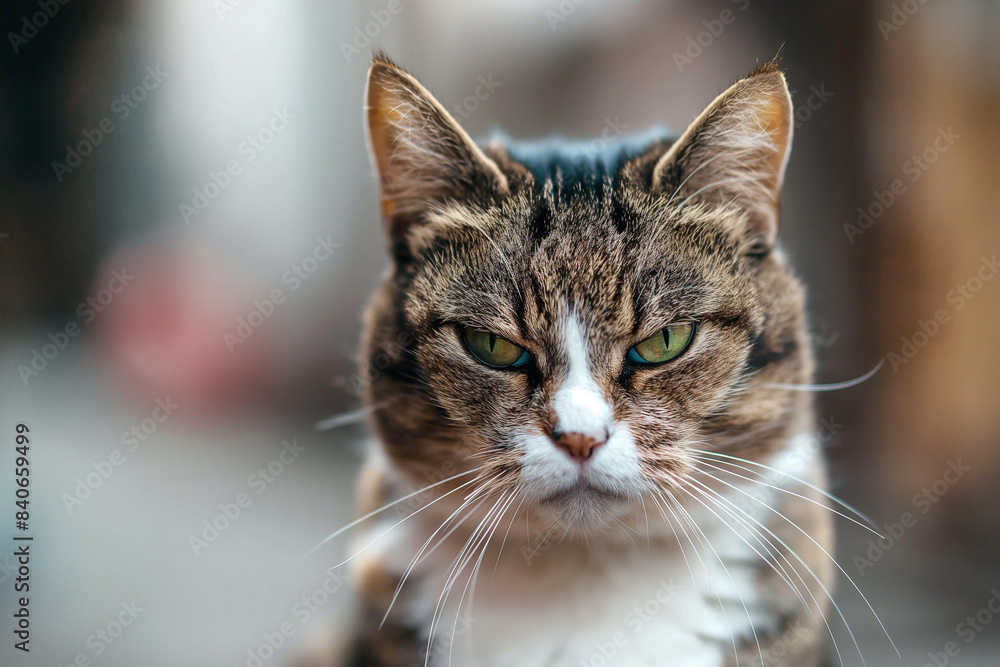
(628, 603)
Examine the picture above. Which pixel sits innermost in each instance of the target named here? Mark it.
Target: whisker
(833, 386)
(513, 516)
(382, 509)
(725, 569)
(721, 500)
(416, 558)
(625, 530)
(824, 492)
(827, 554)
(393, 526)
(474, 576)
(351, 417)
(711, 579)
(459, 564)
(772, 552)
(646, 515)
(790, 492)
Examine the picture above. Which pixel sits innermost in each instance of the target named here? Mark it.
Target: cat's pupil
(493, 341)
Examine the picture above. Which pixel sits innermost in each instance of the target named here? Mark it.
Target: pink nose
(579, 446)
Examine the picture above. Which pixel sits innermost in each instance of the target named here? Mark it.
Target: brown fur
(480, 239)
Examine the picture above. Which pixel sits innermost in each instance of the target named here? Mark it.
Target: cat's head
(580, 323)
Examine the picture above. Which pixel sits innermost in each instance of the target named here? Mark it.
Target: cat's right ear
(422, 155)
(736, 152)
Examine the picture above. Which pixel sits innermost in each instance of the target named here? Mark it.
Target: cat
(585, 399)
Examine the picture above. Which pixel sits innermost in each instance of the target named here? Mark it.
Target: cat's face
(579, 325)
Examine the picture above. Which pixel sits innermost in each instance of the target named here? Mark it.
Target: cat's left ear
(422, 155)
(736, 152)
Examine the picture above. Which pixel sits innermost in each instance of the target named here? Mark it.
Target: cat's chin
(585, 508)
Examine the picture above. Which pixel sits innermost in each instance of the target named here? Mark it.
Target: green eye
(492, 350)
(667, 344)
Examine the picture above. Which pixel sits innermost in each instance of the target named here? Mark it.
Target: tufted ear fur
(422, 155)
(736, 151)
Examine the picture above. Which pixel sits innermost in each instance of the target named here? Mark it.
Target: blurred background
(189, 231)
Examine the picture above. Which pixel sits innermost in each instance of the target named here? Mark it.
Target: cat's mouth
(585, 496)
